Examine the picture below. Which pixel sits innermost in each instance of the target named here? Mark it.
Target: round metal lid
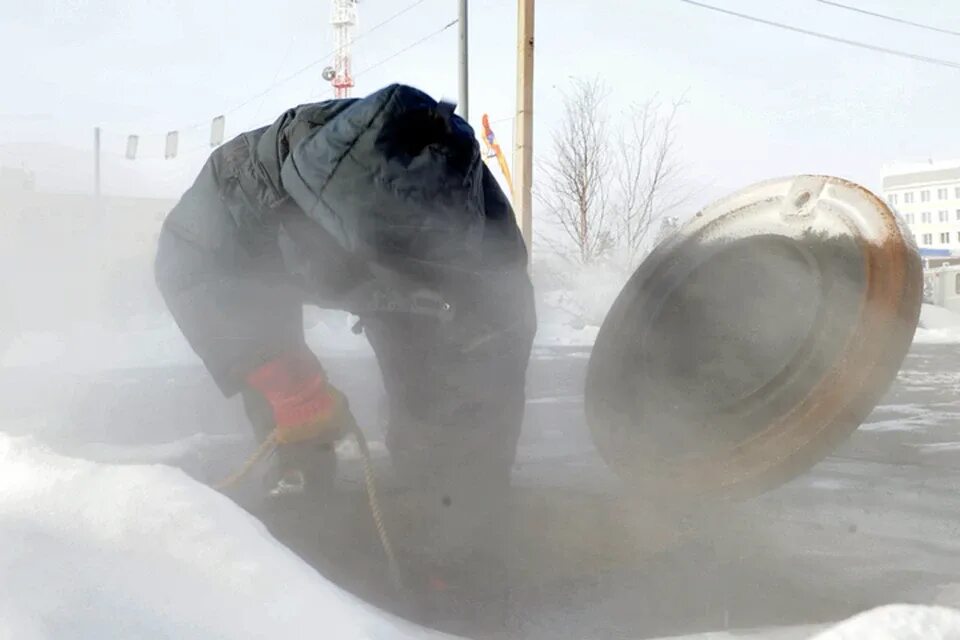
(754, 340)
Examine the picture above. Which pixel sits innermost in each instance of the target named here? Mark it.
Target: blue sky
(761, 101)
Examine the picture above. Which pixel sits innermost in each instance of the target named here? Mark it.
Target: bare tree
(606, 187)
(575, 182)
(645, 180)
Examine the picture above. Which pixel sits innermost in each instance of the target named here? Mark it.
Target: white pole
(523, 132)
(464, 62)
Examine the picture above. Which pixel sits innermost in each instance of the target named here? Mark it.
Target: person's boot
(303, 471)
(297, 495)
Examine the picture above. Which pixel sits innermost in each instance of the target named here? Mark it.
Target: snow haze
(112, 432)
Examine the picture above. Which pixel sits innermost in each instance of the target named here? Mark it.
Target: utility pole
(96, 162)
(523, 130)
(464, 62)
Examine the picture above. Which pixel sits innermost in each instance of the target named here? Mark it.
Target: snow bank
(898, 622)
(891, 622)
(573, 301)
(100, 551)
(779, 633)
(937, 326)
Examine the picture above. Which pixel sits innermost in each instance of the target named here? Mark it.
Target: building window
(926, 216)
(956, 192)
(958, 214)
(892, 199)
(943, 215)
(928, 238)
(956, 283)
(945, 238)
(908, 197)
(925, 195)
(941, 194)
(910, 217)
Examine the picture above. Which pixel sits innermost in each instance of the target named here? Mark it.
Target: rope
(374, 503)
(269, 445)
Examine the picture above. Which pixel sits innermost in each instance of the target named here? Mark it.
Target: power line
(410, 46)
(890, 18)
(299, 71)
(276, 74)
(326, 57)
(393, 55)
(816, 34)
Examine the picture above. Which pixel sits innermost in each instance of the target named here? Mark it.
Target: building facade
(927, 196)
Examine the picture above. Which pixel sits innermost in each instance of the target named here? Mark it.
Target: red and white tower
(343, 19)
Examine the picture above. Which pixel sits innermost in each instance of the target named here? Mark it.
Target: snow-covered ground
(938, 326)
(93, 548)
(96, 550)
(890, 622)
(90, 550)
(898, 622)
(111, 538)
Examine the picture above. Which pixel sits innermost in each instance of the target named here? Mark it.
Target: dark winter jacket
(331, 203)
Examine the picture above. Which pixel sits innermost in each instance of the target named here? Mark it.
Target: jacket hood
(394, 177)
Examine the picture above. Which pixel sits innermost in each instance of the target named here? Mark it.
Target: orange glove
(305, 406)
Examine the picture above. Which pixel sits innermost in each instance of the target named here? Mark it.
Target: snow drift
(898, 622)
(890, 622)
(91, 550)
(937, 326)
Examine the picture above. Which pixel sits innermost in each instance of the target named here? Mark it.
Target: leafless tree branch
(646, 182)
(603, 186)
(575, 180)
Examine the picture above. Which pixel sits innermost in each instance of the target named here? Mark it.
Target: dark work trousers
(456, 394)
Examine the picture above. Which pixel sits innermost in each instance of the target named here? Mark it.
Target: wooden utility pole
(464, 62)
(523, 128)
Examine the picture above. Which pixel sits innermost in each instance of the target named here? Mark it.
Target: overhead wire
(322, 59)
(425, 38)
(379, 63)
(276, 74)
(884, 16)
(295, 74)
(400, 52)
(816, 34)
